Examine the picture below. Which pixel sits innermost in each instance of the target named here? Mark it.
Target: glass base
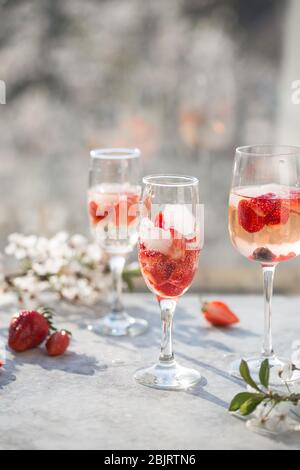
(119, 324)
(254, 364)
(168, 376)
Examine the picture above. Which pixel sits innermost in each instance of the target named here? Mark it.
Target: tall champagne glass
(170, 240)
(264, 223)
(113, 200)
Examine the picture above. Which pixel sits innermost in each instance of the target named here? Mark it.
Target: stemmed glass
(170, 240)
(113, 203)
(264, 223)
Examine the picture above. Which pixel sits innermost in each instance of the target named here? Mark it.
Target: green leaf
(264, 373)
(250, 405)
(239, 400)
(245, 374)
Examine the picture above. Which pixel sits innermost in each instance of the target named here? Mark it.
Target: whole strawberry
(58, 343)
(28, 329)
(219, 314)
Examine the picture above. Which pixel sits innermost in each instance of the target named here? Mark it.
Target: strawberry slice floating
(219, 314)
(178, 247)
(294, 201)
(126, 210)
(250, 216)
(255, 213)
(159, 220)
(97, 215)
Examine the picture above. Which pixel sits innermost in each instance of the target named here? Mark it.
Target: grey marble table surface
(88, 398)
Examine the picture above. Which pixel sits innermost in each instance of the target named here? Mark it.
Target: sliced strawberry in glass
(185, 270)
(250, 215)
(286, 257)
(275, 209)
(159, 220)
(126, 210)
(294, 201)
(178, 247)
(170, 290)
(279, 213)
(96, 214)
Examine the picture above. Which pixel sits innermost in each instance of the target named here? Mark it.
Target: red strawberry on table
(28, 329)
(219, 314)
(58, 343)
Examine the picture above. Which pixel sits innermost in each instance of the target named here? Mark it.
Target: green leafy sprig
(247, 402)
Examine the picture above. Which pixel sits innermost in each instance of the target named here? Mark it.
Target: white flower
(29, 242)
(286, 373)
(60, 238)
(93, 254)
(78, 241)
(10, 249)
(15, 238)
(70, 293)
(255, 424)
(26, 283)
(41, 248)
(275, 420)
(68, 266)
(20, 253)
(279, 420)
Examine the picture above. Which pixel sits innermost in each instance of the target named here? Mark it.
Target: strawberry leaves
(48, 313)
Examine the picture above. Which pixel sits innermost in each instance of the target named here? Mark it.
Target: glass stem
(268, 278)
(116, 265)
(167, 308)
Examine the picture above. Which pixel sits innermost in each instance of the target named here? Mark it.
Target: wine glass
(113, 200)
(170, 240)
(264, 224)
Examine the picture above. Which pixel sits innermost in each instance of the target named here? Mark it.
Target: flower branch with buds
(268, 409)
(68, 266)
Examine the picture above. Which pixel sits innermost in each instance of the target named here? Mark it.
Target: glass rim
(179, 180)
(266, 150)
(115, 153)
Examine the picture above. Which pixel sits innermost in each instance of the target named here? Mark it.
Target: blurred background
(186, 81)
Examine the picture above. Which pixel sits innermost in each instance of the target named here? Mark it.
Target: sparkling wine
(264, 222)
(168, 258)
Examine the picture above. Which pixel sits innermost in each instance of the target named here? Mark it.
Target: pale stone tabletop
(88, 399)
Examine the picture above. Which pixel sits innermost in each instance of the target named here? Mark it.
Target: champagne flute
(113, 200)
(170, 240)
(264, 224)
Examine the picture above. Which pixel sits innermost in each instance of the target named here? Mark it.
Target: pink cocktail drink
(168, 259)
(264, 222)
(113, 212)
